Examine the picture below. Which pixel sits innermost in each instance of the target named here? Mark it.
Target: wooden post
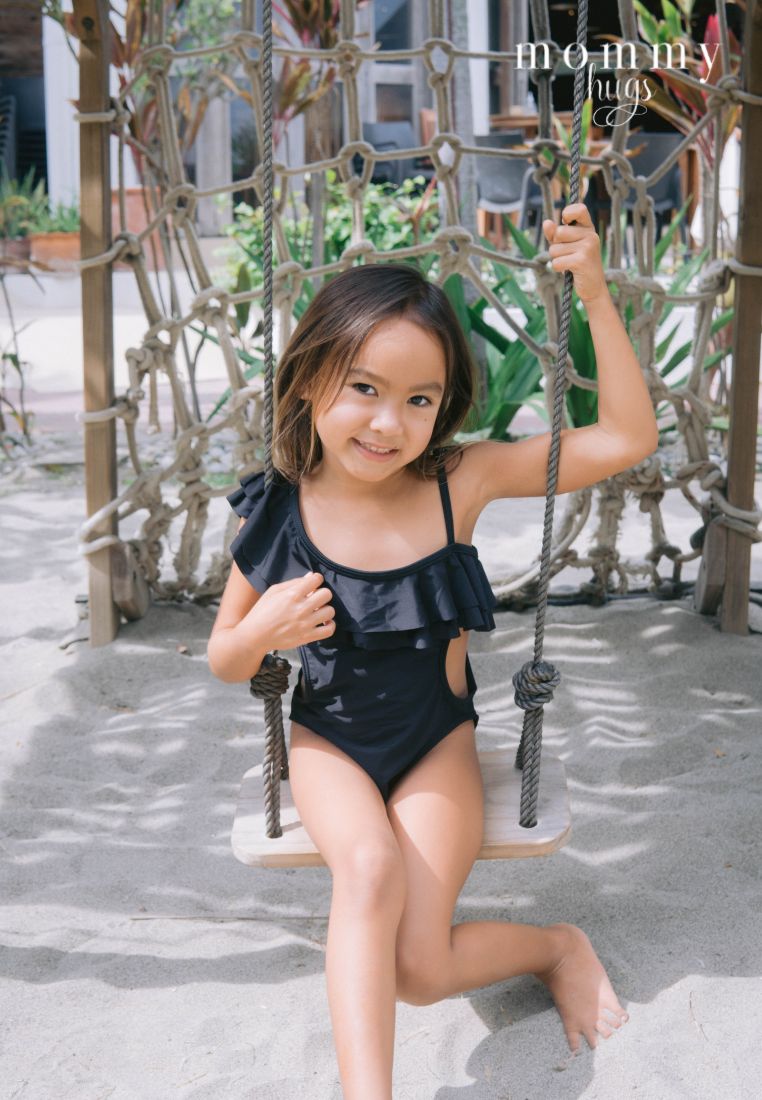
(744, 393)
(92, 28)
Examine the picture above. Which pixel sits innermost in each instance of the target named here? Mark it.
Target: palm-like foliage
(675, 97)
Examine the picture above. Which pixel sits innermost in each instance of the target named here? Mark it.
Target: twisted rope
(270, 684)
(271, 681)
(536, 681)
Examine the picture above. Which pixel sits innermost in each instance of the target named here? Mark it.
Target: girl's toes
(604, 1029)
(573, 1041)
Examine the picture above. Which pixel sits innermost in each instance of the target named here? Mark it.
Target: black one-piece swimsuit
(377, 688)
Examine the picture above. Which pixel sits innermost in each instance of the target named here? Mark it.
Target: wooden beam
(744, 394)
(21, 38)
(707, 595)
(92, 27)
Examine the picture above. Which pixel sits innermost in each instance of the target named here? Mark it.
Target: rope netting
(454, 250)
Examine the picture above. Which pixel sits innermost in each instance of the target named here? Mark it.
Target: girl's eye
(366, 389)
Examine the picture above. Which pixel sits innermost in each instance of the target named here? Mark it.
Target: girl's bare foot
(581, 989)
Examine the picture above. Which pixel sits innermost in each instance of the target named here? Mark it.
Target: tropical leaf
(521, 240)
(242, 283)
(661, 349)
(647, 23)
(235, 88)
(672, 19)
(453, 288)
(135, 24)
(662, 245)
(684, 89)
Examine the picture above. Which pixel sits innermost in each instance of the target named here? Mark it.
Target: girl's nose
(386, 419)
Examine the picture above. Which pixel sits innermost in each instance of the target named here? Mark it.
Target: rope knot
(535, 683)
(271, 681)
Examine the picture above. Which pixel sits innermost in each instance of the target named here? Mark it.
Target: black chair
(532, 206)
(500, 139)
(393, 135)
(666, 193)
(501, 182)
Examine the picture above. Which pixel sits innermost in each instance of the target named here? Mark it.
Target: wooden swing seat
(504, 838)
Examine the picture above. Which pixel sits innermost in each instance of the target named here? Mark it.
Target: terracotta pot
(14, 248)
(60, 251)
(135, 213)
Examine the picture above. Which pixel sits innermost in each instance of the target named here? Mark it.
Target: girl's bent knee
(371, 875)
(414, 991)
(420, 974)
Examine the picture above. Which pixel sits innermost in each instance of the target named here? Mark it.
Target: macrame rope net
(248, 414)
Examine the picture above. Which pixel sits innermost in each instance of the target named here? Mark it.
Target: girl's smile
(373, 452)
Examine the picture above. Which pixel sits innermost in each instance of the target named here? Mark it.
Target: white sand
(141, 961)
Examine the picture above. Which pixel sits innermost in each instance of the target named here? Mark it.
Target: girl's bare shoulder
(464, 483)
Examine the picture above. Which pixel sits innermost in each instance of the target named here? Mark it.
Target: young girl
(359, 554)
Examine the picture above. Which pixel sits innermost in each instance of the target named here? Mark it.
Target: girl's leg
(344, 814)
(437, 814)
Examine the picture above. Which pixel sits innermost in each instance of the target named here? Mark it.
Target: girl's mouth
(379, 455)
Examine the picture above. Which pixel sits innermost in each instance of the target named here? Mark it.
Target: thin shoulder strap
(444, 492)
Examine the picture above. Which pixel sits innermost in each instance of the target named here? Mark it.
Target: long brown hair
(327, 340)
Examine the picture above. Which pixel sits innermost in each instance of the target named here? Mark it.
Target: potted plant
(55, 240)
(21, 203)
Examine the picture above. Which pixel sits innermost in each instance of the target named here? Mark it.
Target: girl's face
(389, 402)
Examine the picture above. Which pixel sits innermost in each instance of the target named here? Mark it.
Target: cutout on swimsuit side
(455, 668)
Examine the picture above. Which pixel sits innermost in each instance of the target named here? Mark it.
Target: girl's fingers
(324, 630)
(309, 582)
(573, 233)
(319, 597)
(577, 212)
(569, 249)
(575, 222)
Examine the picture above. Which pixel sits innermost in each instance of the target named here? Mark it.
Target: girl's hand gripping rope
(293, 613)
(575, 247)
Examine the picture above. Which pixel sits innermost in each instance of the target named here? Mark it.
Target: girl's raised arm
(626, 430)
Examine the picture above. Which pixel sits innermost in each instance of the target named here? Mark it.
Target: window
(392, 24)
(394, 102)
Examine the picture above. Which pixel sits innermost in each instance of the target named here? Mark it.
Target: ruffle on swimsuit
(417, 605)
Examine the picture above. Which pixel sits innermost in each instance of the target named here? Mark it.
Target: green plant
(187, 24)
(515, 374)
(393, 218)
(674, 96)
(10, 357)
(58, 219)
(301, 81)
(21, 203)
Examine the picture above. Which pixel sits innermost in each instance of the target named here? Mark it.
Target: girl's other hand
(293, 613)
(576, 248)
